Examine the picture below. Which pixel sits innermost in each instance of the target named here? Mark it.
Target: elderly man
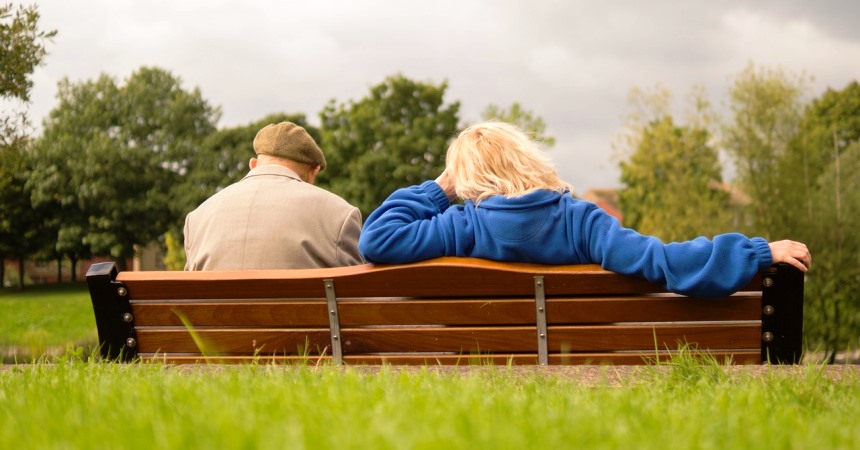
(275, 218)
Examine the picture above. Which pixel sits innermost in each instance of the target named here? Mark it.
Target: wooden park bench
(442, 311)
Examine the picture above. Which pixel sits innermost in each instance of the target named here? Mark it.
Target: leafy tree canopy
(23, 230)
(523, 119)
(22, 49)
(113, 156)
(830, 122)
(19, 222)
(766, 105)
(825, 154)
(395, 137)
(673, 184)
(832, 314)
(671, 172)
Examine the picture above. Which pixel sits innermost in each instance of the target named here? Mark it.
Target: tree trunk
(122, 261)
(2, 271)
(74, 261)
(839, 241)
(59, 269)
(21, 273)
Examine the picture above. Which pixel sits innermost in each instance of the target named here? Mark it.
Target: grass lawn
(71, 401)
(99, 405)
(45, 319)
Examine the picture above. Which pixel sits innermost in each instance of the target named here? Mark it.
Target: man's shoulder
(229, 195)
(228, 191)
(325, 195)
(288, 190)
(291, 189)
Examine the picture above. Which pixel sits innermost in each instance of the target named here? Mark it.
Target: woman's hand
(791, 252)
(447, 184)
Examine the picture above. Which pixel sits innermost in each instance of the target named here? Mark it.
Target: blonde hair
(496, 158)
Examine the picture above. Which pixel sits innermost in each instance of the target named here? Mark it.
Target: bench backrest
(443, 311)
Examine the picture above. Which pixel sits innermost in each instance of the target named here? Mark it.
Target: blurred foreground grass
(74, 404)
(45, 319)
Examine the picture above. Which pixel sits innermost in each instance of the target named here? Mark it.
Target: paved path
(587, 375)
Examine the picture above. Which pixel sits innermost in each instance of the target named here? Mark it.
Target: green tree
(798, 162)
(833, 311)
(22, 49)
(22, 228)
(831, 121)
(672, 184)
(174, 255)
(766, 105)
(671, 173)
(113, 157)
(524, 119)
(396, 136)
(826, 156)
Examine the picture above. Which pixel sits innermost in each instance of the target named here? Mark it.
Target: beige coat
(272, 220)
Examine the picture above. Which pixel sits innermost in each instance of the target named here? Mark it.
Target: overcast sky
(571, 62)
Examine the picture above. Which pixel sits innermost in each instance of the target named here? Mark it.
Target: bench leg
(114, 321)
(782, 315)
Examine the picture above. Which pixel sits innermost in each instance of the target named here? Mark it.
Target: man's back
(272, 220)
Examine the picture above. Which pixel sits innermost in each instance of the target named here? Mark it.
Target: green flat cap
(289, 141)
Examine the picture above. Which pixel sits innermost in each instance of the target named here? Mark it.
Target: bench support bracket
(540, 315)
(334, 321)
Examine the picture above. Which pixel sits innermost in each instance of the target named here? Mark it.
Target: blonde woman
(516, 208)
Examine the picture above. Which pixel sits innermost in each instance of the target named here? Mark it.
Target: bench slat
(450, 312)
(250, 313)
(648, 337)
(668, 308)
(462, 277)
(458, 340)
(561, 338)
(241, 341)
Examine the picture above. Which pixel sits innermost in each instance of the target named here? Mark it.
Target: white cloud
(571, 62)
(793, 44)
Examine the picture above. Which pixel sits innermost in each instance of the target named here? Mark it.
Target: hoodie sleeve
(701, 267)
(409, 226)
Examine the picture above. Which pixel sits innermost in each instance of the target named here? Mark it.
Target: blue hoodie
(547, 227)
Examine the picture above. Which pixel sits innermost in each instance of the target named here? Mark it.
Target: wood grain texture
(232, 314)
(490, 311)
(457, 340)
(235, 341)
(442, 277)
(650, 337)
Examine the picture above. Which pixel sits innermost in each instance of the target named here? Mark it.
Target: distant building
(150, 257)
